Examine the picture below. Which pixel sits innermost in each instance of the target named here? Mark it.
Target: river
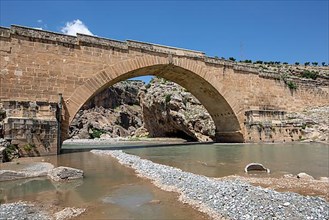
(111, 191)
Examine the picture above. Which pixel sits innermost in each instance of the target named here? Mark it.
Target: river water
(111, 191)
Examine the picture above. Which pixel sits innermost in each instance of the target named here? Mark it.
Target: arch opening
(225, 120)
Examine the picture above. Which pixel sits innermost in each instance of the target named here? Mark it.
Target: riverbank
(288, 183)
(232, 199)
(27, 210)
(120, 140)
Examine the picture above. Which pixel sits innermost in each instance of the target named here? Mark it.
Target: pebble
(286, 204)
(214, 197)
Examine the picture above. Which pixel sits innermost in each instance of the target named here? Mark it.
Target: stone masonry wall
(32, 126)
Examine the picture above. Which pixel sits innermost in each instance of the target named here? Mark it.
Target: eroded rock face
(170, 111)
(131, 109)
(115, 112)
(315, 123)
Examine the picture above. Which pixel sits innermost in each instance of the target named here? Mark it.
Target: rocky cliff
(115, 112)
(133, 109)
(315, 122)
(171, 111)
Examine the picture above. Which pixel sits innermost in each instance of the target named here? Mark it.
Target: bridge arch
(198, 80)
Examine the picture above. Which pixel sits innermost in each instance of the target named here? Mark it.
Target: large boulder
(65, 173)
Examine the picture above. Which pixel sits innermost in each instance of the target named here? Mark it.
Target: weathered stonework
(37, 65)
(270, 125)
(32, 126)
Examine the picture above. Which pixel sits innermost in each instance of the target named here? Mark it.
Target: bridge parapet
(87, 40)
(41, 34)
(4, 32)
(166, 49)
(92, 40)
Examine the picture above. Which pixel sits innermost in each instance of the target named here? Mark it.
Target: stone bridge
(46, 77)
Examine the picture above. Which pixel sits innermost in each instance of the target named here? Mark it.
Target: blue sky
(286, 31)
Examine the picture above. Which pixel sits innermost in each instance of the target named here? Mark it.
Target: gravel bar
(225, 199)
(21, 211)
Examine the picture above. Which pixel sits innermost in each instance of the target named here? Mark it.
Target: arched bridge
(37, 66)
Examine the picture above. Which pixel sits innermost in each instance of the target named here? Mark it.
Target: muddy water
(218, 160)
(108, 191)
(111, 191)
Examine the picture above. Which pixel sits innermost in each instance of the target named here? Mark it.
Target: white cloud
(39, 28)
(39, 21)
(74, 27)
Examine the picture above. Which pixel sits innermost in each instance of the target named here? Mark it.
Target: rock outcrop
(28, 170)
(133, 109)
(115, 112)
(170, 111)
(65, 173)
(315, 123)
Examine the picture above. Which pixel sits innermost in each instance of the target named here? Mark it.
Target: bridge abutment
(31, 126)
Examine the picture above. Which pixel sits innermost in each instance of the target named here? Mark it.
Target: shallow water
(111, 191)
(108, 191)
(218, 160)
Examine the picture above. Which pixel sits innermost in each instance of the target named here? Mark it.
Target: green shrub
(10, 149)
(184, 101)
(29, 147)
(258, 62)
(291, 85)
(2, 114)
(9, 153)
(96, 133)
(168, 98)
(310, 74)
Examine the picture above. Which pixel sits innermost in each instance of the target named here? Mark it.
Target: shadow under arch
(227, 124)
